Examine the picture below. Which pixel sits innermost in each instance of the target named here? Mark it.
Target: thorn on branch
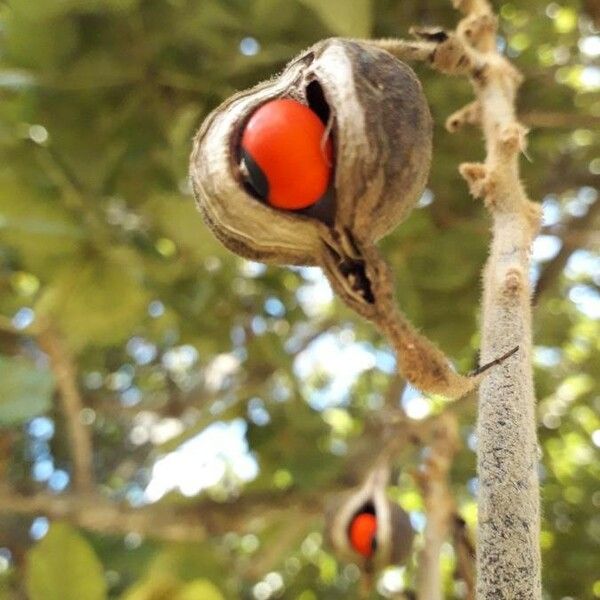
(495, 362)
(514, 73)
(533, 215)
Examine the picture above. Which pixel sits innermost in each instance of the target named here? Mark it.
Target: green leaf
(39, 228)
(188, 563)
(63, 566)
(452, 263)
(155, 587)
(97, 302)
(49, 9)
(200, 589)
(165, 587)
(25, 390)
(31, 43)
(178, 219)
(350, 19)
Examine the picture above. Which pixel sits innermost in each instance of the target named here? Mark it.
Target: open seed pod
(376, 130)
(379, 122)
(364, 526)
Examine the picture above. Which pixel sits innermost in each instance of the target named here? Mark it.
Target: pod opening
(355, 272)
(317, 102)
(367, 508)
(324, 209)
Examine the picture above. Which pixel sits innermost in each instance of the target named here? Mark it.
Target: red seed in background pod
(287, 154)
(362, 533)
(363, 523)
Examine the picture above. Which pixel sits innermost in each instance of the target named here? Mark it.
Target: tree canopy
(173, 419)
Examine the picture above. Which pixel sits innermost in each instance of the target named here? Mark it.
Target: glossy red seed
(289, 143)
(363, 530)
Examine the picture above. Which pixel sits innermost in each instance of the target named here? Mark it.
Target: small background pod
(394, 532)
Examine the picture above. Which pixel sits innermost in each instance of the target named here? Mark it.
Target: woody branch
(508, 556)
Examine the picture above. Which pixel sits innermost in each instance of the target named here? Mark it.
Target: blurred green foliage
(26, 390)
(63, 567)
(172, 335)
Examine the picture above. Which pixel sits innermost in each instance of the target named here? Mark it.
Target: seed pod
(365, 511)
(377, 117)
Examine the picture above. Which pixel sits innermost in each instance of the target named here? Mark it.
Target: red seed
(288, 142)
(363, 530)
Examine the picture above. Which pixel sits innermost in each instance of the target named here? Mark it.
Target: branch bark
(559, 120)
(71, 405)
(465, 557)
(172, 523)
(508, 557)
(439, 506)
(97, 514)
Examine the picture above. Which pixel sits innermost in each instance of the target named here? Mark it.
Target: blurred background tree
(173, 418)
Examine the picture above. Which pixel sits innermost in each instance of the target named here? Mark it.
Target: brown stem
(508, 558)
(465, 557)
(394, 390)
(423, 364)
(165, 522)
(439, 506)
(471, 115)
(71, 405)
(558, 120)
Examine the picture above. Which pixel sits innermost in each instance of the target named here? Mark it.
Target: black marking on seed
(257, 180)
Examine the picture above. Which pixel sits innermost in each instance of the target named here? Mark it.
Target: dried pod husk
(380, 125)
(394, 535)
